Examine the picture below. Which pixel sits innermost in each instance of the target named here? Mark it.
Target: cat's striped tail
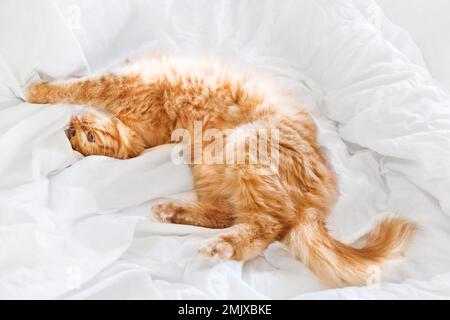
(340, 265)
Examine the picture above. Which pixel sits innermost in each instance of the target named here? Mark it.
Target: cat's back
(229, 80)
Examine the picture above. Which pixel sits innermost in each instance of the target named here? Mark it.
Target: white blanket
(73, 227)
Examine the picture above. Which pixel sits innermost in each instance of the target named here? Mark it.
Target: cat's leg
(262, 212)
(193, 213)
(252, 234)
(109, 92)
(211, 210)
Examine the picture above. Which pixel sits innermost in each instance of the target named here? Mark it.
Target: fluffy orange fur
(145, 102)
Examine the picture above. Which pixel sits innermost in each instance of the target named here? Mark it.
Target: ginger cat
(144, 102)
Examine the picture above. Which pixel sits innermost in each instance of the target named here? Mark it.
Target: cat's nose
(75, 120)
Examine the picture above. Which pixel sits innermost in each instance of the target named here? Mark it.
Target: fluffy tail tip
(391, 236)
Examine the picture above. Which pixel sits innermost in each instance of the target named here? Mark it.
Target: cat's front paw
(218, 249)
(164, 211)
(38, 93)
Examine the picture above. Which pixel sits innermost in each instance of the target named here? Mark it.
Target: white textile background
(81, 228)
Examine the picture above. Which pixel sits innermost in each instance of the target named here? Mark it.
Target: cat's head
(106, 136)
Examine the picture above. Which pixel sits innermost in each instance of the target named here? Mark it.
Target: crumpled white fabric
(81, 228)
(430, 37)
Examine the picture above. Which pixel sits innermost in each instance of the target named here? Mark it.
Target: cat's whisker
(109, 145)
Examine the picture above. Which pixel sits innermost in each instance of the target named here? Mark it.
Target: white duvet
(81, 228)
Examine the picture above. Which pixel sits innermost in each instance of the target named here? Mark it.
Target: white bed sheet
(428, 24)
(81, 228)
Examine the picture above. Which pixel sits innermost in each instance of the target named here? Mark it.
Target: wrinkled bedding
(81, 228)
(430, 37)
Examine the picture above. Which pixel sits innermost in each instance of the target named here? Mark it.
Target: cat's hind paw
(218, 249)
